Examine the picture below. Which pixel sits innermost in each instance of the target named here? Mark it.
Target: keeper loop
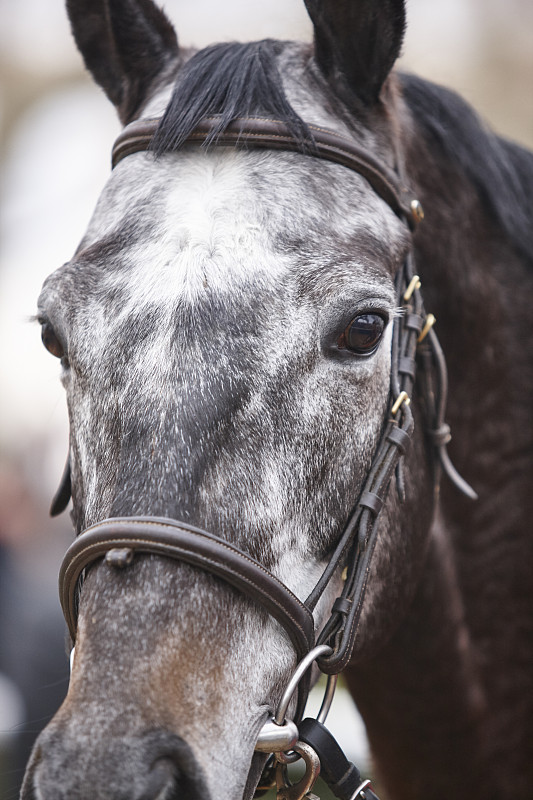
(371, 501)
(342, 605)
(399, 437)
(407, 366)
(414, 322)
(441, 435)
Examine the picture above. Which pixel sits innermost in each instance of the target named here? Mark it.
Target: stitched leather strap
(253, 132)
(183, 542)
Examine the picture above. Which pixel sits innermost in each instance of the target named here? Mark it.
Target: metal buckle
(415, 283)
(428, 324)
(403, 398)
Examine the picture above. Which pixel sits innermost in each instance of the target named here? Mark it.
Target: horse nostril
(157, 765)
(174, 773)
(163, 781)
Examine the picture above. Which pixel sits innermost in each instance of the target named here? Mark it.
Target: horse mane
(501, 170)
(228, 81)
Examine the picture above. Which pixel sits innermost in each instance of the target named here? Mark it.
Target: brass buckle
(402, 399)
(428, 324)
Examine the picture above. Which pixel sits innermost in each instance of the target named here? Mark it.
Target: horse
(259, 456)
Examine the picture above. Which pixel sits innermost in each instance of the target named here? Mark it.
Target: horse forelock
(269, 78)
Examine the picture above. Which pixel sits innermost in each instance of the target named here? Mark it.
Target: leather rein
(117, 540)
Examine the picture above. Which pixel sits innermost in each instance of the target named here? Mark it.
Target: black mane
(227, 81)
(234, 80)
(501, 170)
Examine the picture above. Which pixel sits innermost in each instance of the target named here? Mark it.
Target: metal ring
(290, 757)
(360, 789)
(301, 669)
(328, 698)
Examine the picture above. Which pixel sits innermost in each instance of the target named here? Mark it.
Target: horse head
(225, 332)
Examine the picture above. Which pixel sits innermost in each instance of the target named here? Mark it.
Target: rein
(118, 539)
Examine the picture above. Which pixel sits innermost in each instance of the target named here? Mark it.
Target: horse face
(208, 379)
(225, 335)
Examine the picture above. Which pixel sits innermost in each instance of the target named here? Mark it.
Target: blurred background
(56, 130)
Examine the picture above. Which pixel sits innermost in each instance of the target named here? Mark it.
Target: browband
(263, 132)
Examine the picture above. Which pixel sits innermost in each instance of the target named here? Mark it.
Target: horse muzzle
(81, 765)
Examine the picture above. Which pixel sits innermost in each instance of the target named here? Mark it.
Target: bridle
(117, 540)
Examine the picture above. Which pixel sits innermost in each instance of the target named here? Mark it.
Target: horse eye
(363, 334)
(50, 340)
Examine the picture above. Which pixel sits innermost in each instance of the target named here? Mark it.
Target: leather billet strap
(272, 134)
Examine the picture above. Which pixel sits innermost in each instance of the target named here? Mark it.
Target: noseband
(118, 539)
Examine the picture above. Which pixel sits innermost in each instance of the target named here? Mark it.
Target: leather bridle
(414, 341)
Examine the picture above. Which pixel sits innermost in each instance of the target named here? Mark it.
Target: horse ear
(357, 43)
(125, 44)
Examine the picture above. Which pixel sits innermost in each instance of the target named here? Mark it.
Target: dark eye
(363, 334)
(50, 340)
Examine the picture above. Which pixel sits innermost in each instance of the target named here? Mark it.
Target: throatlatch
(414, 344)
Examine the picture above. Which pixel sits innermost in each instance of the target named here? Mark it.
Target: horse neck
(454, 671)
(421, 697)
(481, 290)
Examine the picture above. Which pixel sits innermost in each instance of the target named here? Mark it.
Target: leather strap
(166, 537)
(341, 776)
(272, 134)
(62, 497)
(356, 546)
